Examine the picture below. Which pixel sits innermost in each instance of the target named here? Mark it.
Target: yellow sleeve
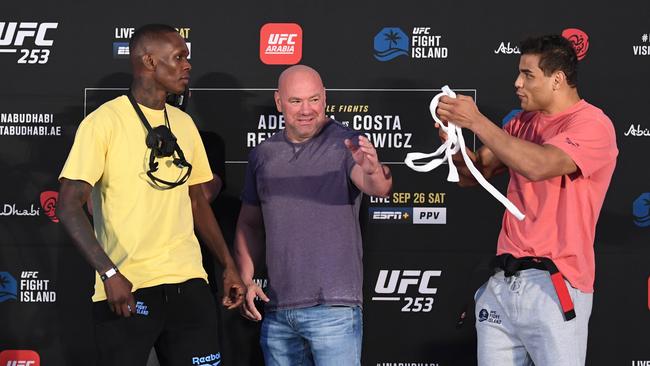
(88, 153)
(201, 171)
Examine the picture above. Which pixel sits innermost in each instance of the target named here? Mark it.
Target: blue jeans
(320, 335)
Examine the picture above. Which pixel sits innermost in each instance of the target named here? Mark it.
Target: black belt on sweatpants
(511, 265)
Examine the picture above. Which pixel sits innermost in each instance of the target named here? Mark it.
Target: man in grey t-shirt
(301, 205)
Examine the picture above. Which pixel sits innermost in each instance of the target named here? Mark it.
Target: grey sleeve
(249, 194)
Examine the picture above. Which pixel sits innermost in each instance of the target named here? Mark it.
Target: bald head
(159, 60)
(301, 99)
(145, 39)
(299, 73)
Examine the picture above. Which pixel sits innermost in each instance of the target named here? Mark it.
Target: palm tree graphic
(3, 281)
(392, 37)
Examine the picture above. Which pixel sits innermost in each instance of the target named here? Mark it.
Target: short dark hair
(148, 32)
(556, 53)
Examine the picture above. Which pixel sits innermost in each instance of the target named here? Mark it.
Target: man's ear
(148, 62)
(559, 78)
(278, 104)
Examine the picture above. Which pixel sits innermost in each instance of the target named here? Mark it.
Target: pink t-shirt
(561, 212)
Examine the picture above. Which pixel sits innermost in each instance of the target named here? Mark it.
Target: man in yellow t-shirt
(150, 287)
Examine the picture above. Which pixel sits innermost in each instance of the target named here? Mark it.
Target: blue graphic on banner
(391, 42)
(509, 116)
(8, 287)
(641, 210)
(120, 49)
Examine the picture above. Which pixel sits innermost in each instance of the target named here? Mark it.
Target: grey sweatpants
(519, 322)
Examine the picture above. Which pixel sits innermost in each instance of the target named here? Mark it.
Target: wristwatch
(108, 274)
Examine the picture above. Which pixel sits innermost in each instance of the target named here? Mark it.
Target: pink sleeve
(590, 142)
(513, 124)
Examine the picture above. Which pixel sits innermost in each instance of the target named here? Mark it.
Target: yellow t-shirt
(146, 231)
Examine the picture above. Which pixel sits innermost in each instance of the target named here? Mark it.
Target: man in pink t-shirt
(560, 153)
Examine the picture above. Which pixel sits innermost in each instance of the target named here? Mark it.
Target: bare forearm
(73, 194)
(249, 241)
(379, 183)
(464, 174)
(206, 224)
(210, 232)
(533, 161)
(524, 157)
(249, 244)
(483, 160)
(78, 227)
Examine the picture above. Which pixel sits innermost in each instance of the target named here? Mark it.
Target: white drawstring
(455, 142)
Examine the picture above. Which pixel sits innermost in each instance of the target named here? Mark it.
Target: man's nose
(519, 82)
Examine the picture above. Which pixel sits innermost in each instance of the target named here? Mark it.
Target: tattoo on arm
(72, 196)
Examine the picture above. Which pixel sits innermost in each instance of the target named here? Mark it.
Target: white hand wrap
(454, 143)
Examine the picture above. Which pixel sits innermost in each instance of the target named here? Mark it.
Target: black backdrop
(60, 60)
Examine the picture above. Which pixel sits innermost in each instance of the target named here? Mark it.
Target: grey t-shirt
(311, 218)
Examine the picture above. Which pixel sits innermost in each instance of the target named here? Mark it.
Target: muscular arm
(249, 251)
(484, 160)
(212, 188)
(72, 196)
(533, 161)
(206, 224)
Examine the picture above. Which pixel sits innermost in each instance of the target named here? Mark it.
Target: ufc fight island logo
(280, 43)
(416, 285)
(30, 40)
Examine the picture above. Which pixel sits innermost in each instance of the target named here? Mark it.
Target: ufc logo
(421, 30)
(29, 274)
(21, 357)
(282, 38)
(399, 281)
(14, 33)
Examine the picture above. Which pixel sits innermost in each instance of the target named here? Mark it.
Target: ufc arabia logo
(280, 43)
(15, 34)
(282, 38)
(13, 357)
(393, 283)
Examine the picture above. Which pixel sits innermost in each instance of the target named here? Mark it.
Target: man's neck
(148, 94)
(569, 98)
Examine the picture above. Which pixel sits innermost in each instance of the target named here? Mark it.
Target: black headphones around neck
(162, 143)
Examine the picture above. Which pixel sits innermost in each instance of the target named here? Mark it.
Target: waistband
(512, 265)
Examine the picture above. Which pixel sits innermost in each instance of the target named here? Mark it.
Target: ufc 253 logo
(30, 40)
(413, 288)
